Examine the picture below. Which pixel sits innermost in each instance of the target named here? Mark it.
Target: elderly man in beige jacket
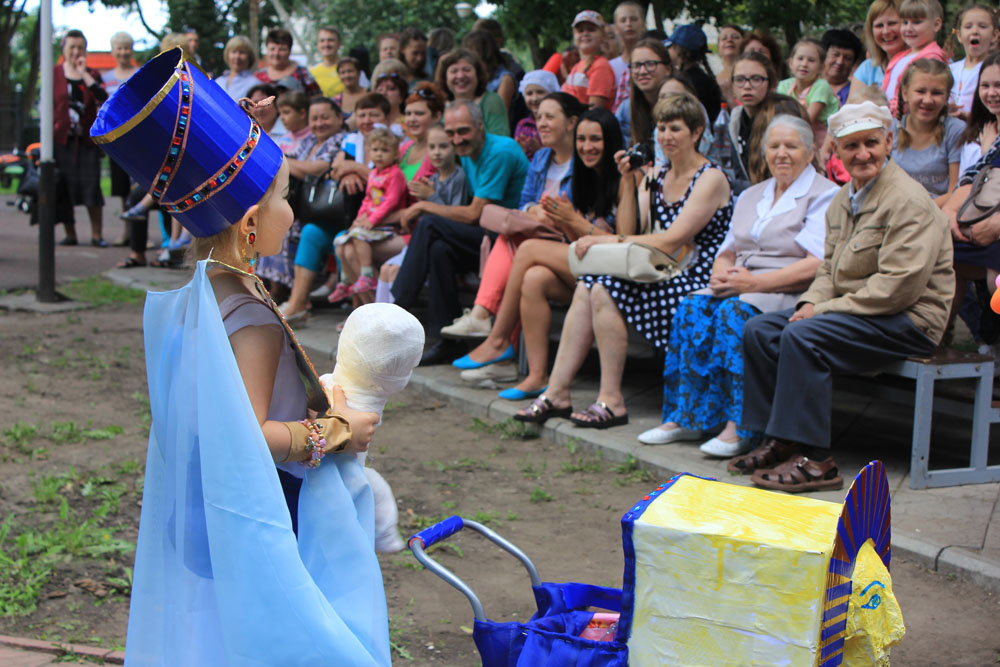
(882, 294)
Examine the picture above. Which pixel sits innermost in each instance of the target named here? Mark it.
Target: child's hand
(362, 222)
(362, 423)
(420, 188)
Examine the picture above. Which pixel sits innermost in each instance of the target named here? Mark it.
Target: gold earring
(252, 261)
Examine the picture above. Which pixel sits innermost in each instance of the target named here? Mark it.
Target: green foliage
(99, 291)
(485, 518)
(540, 495)
(407, 562)
(20, 436)
(420, 521)
(508, 429)
(65, 432)
(450, 546)
(381, 16)
(630, 473)
(396, 634)
(27, 556)
(787, 19)
(106, 433)
(584, 464)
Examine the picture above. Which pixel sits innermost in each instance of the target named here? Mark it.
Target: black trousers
(440, 249)
(788, 369)
(138, 233)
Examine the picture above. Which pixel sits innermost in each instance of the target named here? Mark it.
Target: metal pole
(46, 172)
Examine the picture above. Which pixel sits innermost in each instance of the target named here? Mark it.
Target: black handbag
(320, 201)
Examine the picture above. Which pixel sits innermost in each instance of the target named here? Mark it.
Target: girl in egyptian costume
(256, 537)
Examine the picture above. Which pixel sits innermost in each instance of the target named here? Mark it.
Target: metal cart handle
(445, 529)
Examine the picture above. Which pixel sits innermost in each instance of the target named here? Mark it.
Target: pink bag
(516, 226)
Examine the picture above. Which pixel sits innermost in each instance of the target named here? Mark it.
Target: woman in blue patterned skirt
(771, 253)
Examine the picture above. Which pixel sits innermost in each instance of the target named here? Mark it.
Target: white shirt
(966, 83)
(812, 236)
(972, 152)
(618, 66)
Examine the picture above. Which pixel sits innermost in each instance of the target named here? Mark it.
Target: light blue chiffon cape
(219, 577)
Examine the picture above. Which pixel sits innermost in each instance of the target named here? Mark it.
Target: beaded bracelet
(316, 446)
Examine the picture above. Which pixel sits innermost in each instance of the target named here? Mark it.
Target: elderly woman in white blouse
(770, 255)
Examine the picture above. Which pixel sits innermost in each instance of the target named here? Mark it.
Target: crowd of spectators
(816, 188)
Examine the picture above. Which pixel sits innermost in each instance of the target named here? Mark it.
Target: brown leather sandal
(800, 474)
(765, 457)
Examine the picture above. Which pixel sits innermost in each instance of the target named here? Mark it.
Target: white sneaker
(467, 326)
(320, 293)
(725, 450)
(487, 377)
(659, 436)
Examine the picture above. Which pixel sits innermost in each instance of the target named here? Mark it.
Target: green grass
(105, 188)
(540, 495)
(99, 291)
(629, 472)
(508, 429)
(27, 558)
(74, 516)
(20, 436)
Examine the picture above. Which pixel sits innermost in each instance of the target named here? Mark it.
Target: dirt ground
(74, 419)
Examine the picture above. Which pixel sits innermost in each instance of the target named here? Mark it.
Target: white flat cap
(859, 117)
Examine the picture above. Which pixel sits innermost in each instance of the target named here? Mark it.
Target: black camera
(639, 155)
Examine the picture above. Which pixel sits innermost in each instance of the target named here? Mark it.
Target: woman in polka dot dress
(691, 202)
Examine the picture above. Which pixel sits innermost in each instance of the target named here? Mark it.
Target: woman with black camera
(691, 203)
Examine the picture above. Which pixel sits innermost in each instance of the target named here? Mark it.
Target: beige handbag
(633, 261)
(984, 199)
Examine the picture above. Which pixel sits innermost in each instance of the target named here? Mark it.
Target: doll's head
(378, 349)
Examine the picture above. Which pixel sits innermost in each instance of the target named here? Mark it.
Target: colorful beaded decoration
(167, 171)
(316, 446)
(221, 178)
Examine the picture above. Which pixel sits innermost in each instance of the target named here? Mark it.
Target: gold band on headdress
(144, 112)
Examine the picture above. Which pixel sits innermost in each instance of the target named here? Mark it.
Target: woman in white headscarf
(534, 86)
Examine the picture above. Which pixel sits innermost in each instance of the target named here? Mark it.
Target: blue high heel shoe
(465, 363)
(515, 394)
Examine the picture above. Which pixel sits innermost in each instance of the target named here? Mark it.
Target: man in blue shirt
(446, 239)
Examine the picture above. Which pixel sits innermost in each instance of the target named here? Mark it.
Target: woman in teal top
(462, 75)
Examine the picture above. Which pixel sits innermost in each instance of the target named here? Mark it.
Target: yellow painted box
(718, 574)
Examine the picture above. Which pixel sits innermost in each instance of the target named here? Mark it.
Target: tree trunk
(9, 20)
(255, 25)
(657, 17)
(537, 57)
(791, 31)
(28, 99)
